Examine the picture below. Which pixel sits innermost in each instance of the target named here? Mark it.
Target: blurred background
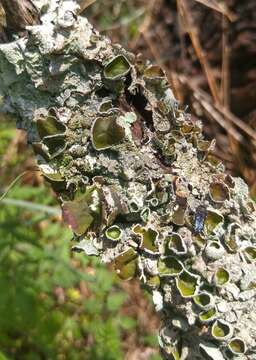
(55, 305)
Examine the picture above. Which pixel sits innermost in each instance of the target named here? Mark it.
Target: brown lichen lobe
(138, 183)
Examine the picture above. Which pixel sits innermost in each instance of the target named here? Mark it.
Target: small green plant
(44, 312)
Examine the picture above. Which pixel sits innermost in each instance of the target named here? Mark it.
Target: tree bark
(137, 182)
(19, 14)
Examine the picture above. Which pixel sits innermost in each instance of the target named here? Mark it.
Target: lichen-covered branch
(137, 182)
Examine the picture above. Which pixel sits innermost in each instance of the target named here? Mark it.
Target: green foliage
(43, 312)
(155, 357)
(121, 15)
(7, 132)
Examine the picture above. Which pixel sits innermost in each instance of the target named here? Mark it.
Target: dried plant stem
(193, 33)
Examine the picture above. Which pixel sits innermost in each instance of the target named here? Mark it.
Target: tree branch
(137, 182)
(19, 14)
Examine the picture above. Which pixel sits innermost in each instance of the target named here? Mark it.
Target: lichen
(137, 182)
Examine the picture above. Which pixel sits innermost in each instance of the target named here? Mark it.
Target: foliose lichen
(137, 182)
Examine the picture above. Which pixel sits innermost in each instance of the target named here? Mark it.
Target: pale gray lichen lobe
(137, 182)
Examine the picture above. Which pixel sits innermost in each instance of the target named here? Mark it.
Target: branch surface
(137, 181)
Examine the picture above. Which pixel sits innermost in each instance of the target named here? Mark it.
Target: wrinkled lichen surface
(137, 182)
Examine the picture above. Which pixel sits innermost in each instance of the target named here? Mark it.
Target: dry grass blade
(206, 103)
(50, 210)
(14, 182)
(229, 121)
(148, 18)
(216, 116)
(236, 121)
(220, 7)
(192, 30)
(225, 71)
